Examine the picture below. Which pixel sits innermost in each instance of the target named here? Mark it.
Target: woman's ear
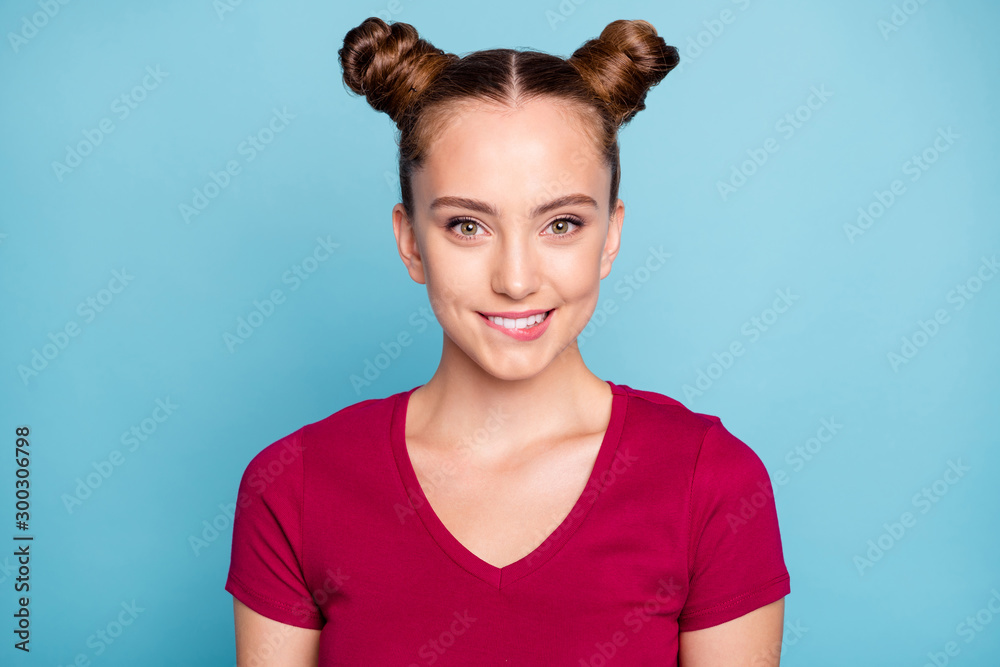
(613, 241)
(406, 243)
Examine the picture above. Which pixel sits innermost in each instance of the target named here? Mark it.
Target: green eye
(467, 224)
(560, 228)
(555, 226)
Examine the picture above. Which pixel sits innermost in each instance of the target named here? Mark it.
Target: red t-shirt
(676, 530)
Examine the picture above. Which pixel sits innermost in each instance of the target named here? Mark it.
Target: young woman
(516, 509)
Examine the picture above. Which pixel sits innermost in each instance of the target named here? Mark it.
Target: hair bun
(389, 64)
(623, 63)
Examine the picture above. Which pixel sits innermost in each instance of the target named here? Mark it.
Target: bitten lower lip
(531, 333)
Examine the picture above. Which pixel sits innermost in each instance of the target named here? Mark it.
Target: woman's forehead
(539, 137)
(541, 124)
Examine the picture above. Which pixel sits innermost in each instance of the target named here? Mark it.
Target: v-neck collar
(491, 574)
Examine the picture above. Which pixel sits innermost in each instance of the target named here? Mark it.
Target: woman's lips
(528, 333)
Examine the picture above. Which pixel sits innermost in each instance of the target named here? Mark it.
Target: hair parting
(422, 88)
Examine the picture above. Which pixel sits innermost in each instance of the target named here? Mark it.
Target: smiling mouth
(520, 322)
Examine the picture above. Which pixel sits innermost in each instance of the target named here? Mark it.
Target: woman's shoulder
(363, 414)
(644, 404)
(351, 422)
(704, 435)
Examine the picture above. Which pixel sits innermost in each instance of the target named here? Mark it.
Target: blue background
(892, 79)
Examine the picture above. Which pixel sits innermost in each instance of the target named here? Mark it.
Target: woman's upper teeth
(519, 323)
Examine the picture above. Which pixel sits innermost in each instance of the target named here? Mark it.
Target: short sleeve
(265, 570)
(736, 563)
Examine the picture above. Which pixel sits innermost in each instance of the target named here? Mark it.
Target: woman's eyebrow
(488, 209)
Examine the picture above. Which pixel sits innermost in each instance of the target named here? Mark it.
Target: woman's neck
(462, 401)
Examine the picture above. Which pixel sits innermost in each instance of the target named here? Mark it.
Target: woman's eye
(561, 226)
(465, 226)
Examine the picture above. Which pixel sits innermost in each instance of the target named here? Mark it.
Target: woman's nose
(516, 270)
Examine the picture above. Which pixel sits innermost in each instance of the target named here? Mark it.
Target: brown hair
(417, 84)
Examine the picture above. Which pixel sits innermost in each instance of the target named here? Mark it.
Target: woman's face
(512, 218)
